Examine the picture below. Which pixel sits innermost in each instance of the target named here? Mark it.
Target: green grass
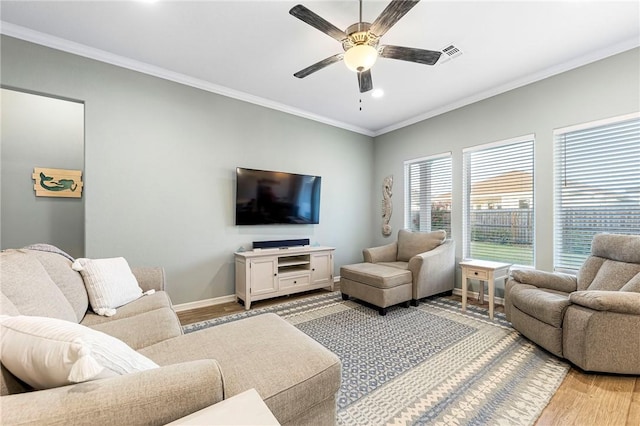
(521, 255)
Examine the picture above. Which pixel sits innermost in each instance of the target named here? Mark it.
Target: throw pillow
(109, 282)
(412, 243)
(48, 352)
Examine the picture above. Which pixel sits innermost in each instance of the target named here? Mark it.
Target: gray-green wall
(39, 131)
(160, 162)
(603, 89)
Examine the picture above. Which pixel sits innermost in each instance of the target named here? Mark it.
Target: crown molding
(64, 45)
(531, 78)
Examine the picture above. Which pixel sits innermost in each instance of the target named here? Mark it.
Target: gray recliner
(592, 319)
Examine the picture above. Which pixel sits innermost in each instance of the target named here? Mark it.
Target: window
(597, 186)
(498, 209)
(428, 198)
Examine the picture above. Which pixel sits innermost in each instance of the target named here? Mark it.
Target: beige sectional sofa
(296, 377)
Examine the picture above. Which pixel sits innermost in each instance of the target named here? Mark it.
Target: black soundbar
(280, 243)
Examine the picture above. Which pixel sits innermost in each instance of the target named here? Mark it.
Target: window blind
(597, 187)
(428, 194)
(498, 208)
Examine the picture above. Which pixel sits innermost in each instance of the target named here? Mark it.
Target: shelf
(292, 271)
(293, 262)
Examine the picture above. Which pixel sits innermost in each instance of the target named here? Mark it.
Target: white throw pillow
(48, 352)
(109, 282)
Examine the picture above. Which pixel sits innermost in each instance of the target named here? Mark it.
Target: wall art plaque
(57, 182)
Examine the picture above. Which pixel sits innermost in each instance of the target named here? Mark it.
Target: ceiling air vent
(448, 53)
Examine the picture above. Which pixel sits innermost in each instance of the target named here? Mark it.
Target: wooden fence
(504, 226)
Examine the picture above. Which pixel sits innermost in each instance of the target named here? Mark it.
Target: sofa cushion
(10, 384)
(545, 305)
(588, 271)
(48, 352)
(614, 275)
(291, 371)
(622, 248)
(376, 275)
(27, 285)
(6, 306)
(147, 303)
(412, 243)
(68, 281)
(109, 283)
(632, 285)
(144, 329)
(397, 265)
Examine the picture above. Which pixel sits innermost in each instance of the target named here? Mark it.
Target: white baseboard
(475, 294)
(214, 301)
(204, 303)
(232, 298)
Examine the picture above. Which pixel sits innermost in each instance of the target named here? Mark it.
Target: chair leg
(382, 311)
(345, 296)
(405, 304)
(415, 302)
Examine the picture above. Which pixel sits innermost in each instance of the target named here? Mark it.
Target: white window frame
(407, 188)
(558, 264)
(466, 192)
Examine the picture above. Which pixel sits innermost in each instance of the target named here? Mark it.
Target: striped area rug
(426, 365)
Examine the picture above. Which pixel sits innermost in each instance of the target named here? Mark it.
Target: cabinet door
(264, 272)
(322, 269)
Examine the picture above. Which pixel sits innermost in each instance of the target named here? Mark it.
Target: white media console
(266, 273)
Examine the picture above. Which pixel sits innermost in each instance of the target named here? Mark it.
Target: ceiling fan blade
(319, 65)
(390, 15)
(364, 81)
(421, 56)
(305, 15)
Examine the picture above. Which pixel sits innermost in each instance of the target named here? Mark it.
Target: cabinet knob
(275, 275)
(475, 273)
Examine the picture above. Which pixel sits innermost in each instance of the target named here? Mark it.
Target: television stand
(267, 273)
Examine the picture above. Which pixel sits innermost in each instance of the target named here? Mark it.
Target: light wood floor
(582, 400)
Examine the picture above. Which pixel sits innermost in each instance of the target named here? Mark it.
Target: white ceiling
(250, 49)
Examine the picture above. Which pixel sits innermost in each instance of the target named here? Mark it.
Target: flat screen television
(266, 197)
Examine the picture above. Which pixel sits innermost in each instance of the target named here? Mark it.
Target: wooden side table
(246, 408)
(483, 270)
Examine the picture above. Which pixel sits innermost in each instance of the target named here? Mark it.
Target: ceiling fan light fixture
(360, 58)
(377, 93)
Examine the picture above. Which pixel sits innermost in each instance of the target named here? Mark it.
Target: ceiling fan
(360, 42)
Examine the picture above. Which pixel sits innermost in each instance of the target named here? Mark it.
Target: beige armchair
(592, 319)
(430, 257)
